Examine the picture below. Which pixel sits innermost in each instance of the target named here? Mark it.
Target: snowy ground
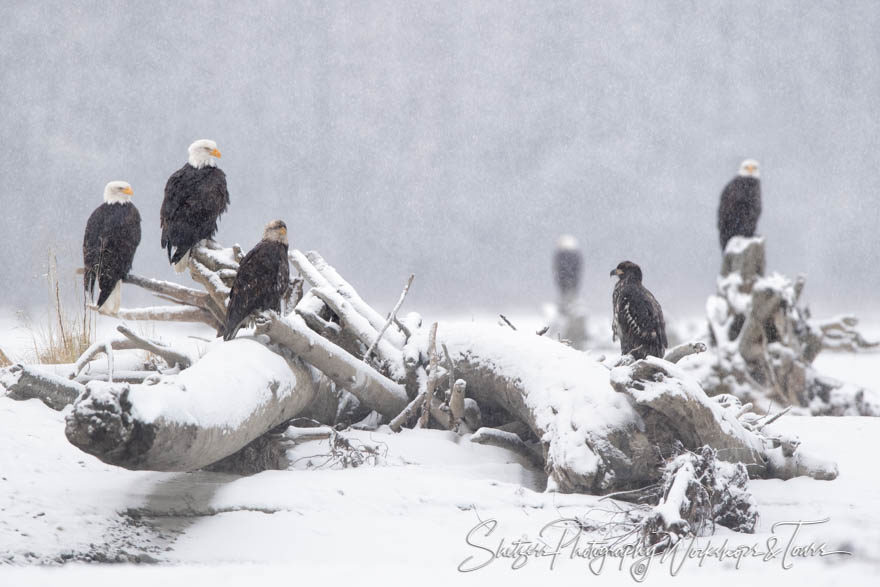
(407, 516)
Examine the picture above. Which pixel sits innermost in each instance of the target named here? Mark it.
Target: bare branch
(506, 321)
(431, 384)
(391, 317)
(509, 441)
(408, 412)
(166, 314)
(171, 356)
(674, 355)
(168, 289)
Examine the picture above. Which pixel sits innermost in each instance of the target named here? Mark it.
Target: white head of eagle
(117, 192)
(276, 231)
(203, 153)
(749, 168)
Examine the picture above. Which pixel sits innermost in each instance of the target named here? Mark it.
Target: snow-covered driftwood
(764, 342)
(599, 432)
(237, 392)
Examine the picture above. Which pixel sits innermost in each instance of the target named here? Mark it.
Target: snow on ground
(408, 516)
(414, 509)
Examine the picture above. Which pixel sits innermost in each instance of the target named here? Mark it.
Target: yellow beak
(284, 231)
(215, 153)
(128, 191)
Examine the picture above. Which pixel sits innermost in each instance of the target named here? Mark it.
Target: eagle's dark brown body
(739, 209)
(194, 200)
(112, 235)
(638, 318)
(262, 279)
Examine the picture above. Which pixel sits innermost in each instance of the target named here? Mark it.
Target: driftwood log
(596, 430)
(764, 342)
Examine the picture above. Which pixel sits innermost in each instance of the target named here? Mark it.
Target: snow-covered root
(667, 398)
(840, 334)
(696, 493)
(764, 342)
(24, 382)
(237, 392)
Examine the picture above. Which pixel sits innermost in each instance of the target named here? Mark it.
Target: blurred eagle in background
(567, 265)
(112, 235)
(195, 197)
(740, 205)
(638, 318)
(262, 279)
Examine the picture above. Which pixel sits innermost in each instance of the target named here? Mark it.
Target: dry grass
(5, 361)
(66, 334)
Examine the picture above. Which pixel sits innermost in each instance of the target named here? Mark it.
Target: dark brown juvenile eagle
(112, 235)
(740, 205)
(638, 318)
(195, 197)
(263, 277)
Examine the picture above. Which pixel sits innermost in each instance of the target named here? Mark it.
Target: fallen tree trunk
(237, 392)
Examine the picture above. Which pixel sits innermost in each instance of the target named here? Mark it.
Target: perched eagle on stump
(567, 262)
(262, 279)
(195, 197)
(113, 233)
(638, 318)
(740, 205)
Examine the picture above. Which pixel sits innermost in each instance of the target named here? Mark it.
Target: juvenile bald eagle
(638, 318)
(112, 235)
(567, 261)
(195, 197)
(740, 205)
(263, 277)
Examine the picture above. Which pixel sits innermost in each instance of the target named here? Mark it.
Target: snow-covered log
(238, 391)
(600, 431)
(591, 436)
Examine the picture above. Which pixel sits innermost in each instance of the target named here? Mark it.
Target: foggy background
(455, 140)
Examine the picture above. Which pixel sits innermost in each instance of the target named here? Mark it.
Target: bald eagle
(740, 205)
(112, 235)
(638, 318)
(195, 197)
(263, 277)
(567, 261)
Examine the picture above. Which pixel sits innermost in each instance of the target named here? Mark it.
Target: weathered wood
(347, 291)
(368, 385)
